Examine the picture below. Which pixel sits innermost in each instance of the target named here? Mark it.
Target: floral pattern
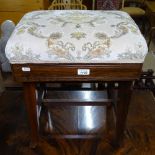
(131, 55)
(76, 36)
(19, 55)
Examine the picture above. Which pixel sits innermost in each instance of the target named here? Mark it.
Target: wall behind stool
(15, 9)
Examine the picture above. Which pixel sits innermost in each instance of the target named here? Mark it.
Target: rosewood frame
(124, 74)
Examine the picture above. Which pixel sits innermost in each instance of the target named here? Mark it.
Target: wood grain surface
(68, 72)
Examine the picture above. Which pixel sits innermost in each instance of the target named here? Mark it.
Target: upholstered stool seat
(79, 37)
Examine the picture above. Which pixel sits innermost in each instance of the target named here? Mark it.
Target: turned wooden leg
(124, 96)
(31, 101)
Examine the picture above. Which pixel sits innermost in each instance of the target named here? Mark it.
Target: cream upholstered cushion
(76, 36)
(134, 11)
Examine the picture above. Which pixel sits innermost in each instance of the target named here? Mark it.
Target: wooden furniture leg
(124, 96)
(31, 101)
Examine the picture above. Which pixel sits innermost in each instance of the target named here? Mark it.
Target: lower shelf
(76, 98)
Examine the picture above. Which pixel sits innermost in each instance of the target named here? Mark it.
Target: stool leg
(31, 102)
(124, 96)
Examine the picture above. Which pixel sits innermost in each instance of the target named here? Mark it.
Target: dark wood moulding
(68, 72)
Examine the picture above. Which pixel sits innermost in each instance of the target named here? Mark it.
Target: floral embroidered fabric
(76, 36)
